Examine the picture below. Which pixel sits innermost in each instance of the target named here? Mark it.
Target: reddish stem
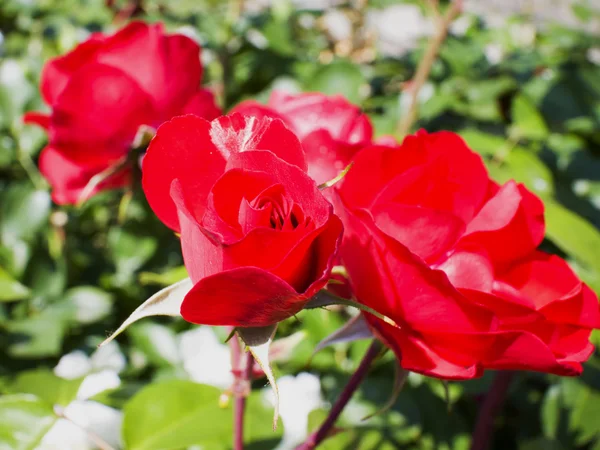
(490, 407)
(319, 436)
(242, 388)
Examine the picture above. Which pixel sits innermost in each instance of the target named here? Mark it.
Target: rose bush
(258, 238)
(330, 128)
(100, 94)
(431, 242)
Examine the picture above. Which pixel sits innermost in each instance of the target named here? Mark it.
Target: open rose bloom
(103, 91)
(451, 257)
(330, 128)
(258, 237)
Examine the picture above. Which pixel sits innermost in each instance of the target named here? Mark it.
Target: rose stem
(491, 405)
(424, 67)
(318, 436)
(241, 392)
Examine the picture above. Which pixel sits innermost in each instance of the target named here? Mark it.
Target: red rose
(330, 128)
(431, 242)
(103, 91)
(258, 237)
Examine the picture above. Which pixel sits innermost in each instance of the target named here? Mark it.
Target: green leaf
(356, 328)
(340, 77)
(541, 444)
(24, 420)
(11, 289)
(157, 342)
(166, 302)
(585, 410)
(400, 377)
(37, 336)
(177, 414)
(527, 121)
(23, 212)
(174, 415)
(482, 143)
(550, 412)
(89, 304)
(525, 167)
(47, 386)
(573, 234)
(166, 278)
(45, 276)
(130, 250)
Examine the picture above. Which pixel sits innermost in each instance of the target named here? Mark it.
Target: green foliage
(24, 419)
(69, 276)
(177, 414)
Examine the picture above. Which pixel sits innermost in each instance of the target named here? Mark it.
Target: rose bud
(330, 128)
(258, 237)
(451, 257)
(100, 94)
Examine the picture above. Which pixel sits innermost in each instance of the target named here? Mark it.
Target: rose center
(284, 214)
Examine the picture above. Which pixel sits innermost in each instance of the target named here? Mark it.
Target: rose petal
(455, 177)
(309, 112)
(300, 188)
(58, 71)
(81, 112)
(242, 297)
(326, 157)
(167, 68)
(428, 233)
(226, 199)
(416, 355)
(468, 268)
(201, 254)
(387, 277)
(510, 225)
(182, 148)
(517, 350)
(37, 118)
(374, 167)
(69, 178)
(547, 282)
(256, 109)
(202, 104)
(236, 133)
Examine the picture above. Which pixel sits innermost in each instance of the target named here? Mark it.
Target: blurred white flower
(299, 395)
(73, 365)
(205, 358)
(493, 53)
(593, 55)
(399, 28)
(189, 31)
(426, 92)
(85, 420)
(256, 38)
(315, 5)
(11, 73)
(337, 24)
(523, 34)
(98, 382)
(461, 25)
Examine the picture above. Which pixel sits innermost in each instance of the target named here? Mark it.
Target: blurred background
(519, 80)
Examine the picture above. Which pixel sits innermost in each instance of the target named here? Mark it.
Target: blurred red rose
(431, 242)
(258, 237)
(100, 94)
(330, 128)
